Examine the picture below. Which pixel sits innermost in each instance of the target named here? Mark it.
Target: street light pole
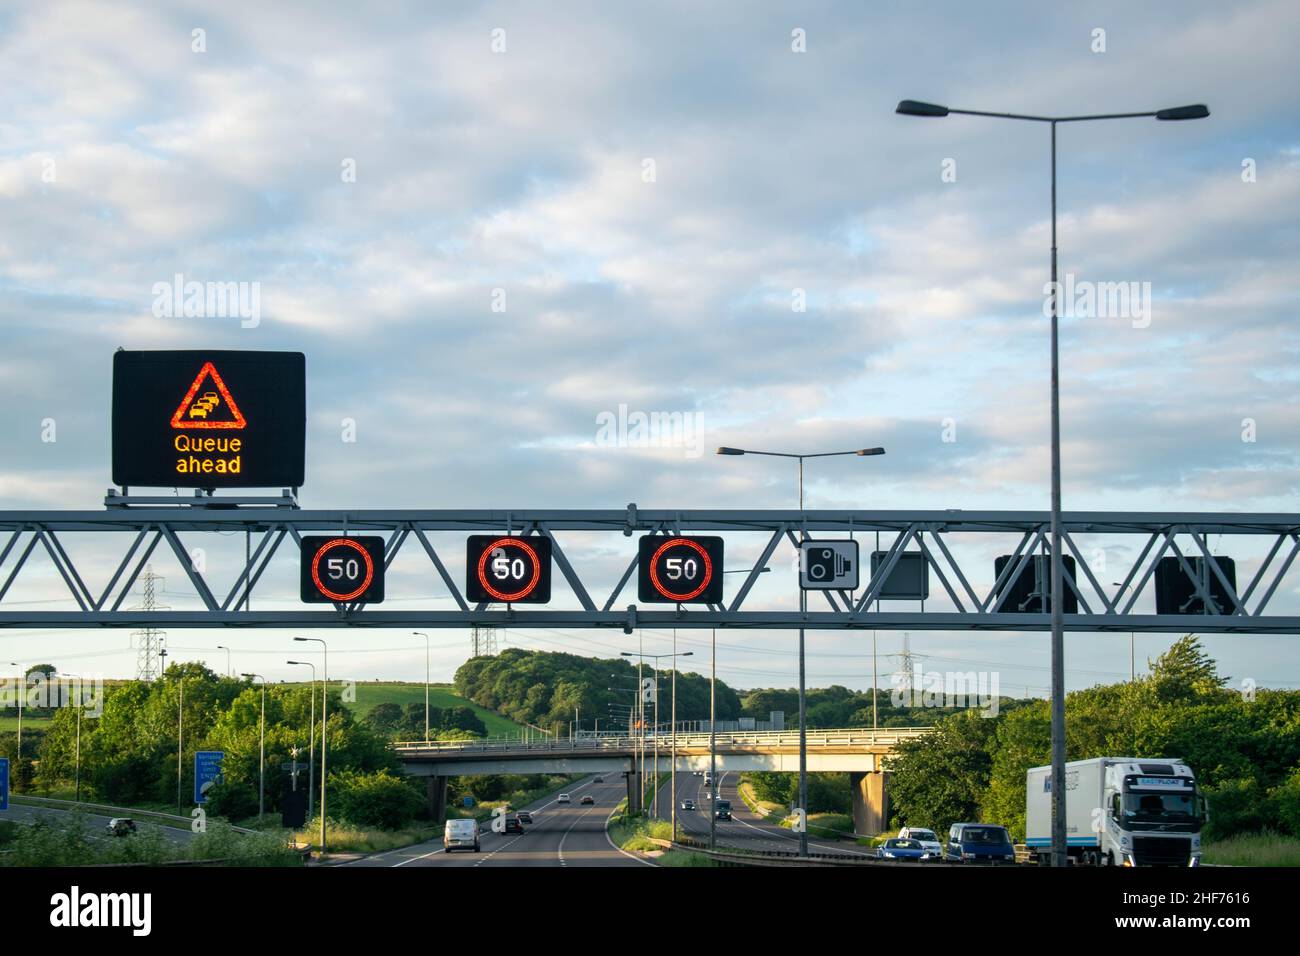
(180, 737)
(222, 647)
(1198, 111)
(324, 729)
(803, 610)
(311, 752)
(426, 682)
(713, 740)
(22, 692)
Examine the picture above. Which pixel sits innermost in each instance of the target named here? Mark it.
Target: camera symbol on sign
(829, 564)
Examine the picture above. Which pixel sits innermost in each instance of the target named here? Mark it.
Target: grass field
(440, 695)
(10, 722)
(1253, 849)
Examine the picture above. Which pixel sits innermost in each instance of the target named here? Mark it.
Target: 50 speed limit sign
(679, 570)
(508, 570)
(338, 570)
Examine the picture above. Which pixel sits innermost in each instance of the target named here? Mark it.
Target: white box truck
(1119, 811)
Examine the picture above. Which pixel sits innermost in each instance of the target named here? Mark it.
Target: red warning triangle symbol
(208, 407)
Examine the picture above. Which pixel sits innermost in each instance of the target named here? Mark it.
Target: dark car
(979, 843)
(588, 799)
(523, 816)
(514, 825)
(905, 849)
(599, 780)
(121, 826)
(688, 804)
(723, 811)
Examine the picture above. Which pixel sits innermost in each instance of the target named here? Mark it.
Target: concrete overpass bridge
(860, 752)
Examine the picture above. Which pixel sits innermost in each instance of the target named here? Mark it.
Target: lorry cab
(1120, 811)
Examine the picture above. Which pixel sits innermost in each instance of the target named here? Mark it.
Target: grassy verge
(1253, 849)
(772, 812)
(348, 839)
(829, 824)
(634, 833)
(80, 843)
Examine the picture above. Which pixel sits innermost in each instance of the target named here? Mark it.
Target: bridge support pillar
(870, 801)
(435, 789)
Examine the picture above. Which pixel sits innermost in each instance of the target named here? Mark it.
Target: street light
(803, 607)
(1195, 111)
(324, 729)
(261, 751)
(222, 647)
(426, 682)
(22, 692)
(311, 753)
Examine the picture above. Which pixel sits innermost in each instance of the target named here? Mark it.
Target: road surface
(560, 835)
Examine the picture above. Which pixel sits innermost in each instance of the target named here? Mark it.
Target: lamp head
(1195, 111)
(917, 108)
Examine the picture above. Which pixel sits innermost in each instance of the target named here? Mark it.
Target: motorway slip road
(746, 830)
(561, 835)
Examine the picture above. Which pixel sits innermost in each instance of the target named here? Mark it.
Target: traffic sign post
(209, 419)
(4, 783)
(829, 565)
(340, 570)
(679, 570)
(508, 569)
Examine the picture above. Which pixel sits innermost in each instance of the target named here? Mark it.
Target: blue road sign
(4, 783)
(207, 772)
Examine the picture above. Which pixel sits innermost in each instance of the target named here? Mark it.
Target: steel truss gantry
(933, 534)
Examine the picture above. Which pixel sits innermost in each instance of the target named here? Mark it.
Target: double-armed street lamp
(311, 752)
(803, 607)
(1195, 111)
(324, 727)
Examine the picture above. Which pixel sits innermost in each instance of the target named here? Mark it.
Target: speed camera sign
(828, 565)
(336, 570)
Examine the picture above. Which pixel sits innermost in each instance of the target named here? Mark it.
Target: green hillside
(440, 695)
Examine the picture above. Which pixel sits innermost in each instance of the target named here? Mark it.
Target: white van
(460, 835)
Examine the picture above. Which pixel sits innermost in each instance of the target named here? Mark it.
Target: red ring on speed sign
(654, 569)
(315, 569)
(509, 543)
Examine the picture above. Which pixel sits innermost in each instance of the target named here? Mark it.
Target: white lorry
(1119, 811)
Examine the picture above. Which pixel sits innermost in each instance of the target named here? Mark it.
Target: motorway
(746, 830)
(560, 835)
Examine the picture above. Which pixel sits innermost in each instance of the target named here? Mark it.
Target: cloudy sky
(487, 225)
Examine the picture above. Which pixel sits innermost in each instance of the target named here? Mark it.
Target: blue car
(979, 843)
(899, 849)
